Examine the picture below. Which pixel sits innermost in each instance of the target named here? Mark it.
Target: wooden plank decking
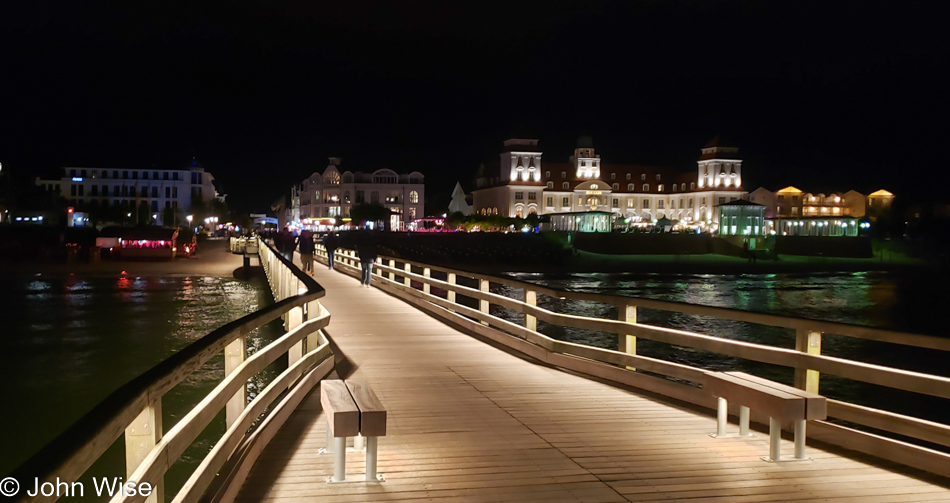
(468, 422)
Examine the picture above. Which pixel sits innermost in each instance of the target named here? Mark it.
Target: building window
(563, 174)
(144, 192)
(532, 196)
(565, 185)
(659, 204)
(145, 175)
(374, 197)
(616, 203)
(658, 178)
(519, 196)
(643, 177)
(630, 203)
(613, 176)
(681, 203)
(360, 196)
(646, 187)
(549, 202)
(154, 191)
(413, 197)
(630, 187)
(346, 197)
(615, 186)
(722, 200)
(659, 188)
(94, 191)
(628, 176)
(550, 185)
(547, 174)
(565, 201)
(692, 185)
(646, 203)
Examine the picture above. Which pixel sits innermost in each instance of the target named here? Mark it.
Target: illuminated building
(793, 212)
(522, 184)
(106, 191)
(326, 198)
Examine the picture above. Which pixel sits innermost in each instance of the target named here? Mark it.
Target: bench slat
(343, 416)
(773, 402)
(372, 412)
(816, 406)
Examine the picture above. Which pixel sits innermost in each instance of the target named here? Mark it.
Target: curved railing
(135, 410)
(896, 437)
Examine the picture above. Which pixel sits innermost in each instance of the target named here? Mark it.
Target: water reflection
(872, 299)
(69, 341)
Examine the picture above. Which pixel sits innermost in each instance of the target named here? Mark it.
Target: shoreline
(586, 262)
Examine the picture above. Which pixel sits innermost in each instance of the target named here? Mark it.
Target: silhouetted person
(306, 247)
(367, 250)
(286, 242)
(331, 244)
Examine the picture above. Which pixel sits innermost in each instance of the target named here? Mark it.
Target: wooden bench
(352, 410)
(780, 402)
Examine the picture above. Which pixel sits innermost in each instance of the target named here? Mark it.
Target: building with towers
(521, 185)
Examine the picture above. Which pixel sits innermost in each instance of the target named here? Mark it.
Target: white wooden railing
(416, 282)
(134, 411)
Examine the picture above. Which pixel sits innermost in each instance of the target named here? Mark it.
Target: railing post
(426, 273)
(450, 295)
(392, 265)
(807, 341)
(294, 320)
(234, 355)
(482, 303)
(627, 343)
(140, 437)
(405, 279)
(531, 299)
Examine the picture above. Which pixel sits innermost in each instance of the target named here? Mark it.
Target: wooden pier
(470, 422)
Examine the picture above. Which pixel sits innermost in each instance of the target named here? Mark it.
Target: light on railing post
(530, 298)
(450, 296)
(483, 303)
(234, 355)
(807, 341)
(140, 437)
(627, 343)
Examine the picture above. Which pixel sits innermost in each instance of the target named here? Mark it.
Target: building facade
(793, 212)
(326, 198)
(522, 184)
(162, 193)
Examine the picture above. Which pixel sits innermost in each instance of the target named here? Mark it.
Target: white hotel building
(326, 198)
(522, 184)
(99, 189)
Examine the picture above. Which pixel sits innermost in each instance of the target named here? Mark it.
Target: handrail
(401, 277)
(135, 408)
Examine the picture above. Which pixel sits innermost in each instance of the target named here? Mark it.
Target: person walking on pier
(366, 248)
(330, 243)
(286, 243)
(306, 247)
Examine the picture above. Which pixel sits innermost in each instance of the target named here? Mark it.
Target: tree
(370, 212)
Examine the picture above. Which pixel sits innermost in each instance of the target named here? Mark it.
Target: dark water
(905, 302)
(68, 341)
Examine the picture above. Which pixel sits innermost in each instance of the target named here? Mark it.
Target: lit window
(413, 197)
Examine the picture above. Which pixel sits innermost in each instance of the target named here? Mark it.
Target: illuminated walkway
(468, 422)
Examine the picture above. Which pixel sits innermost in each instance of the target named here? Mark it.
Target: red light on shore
(123, 272)
(70, 210)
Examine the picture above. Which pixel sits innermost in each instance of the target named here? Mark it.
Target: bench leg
(775, 439)
(722, 417)
(800, 439)
(358, 442)
(371, 458)
(339, 459)
(743, 421)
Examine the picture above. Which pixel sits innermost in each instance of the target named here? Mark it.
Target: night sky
(822, 95)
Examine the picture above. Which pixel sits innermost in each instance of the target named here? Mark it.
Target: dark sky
(824, 95)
